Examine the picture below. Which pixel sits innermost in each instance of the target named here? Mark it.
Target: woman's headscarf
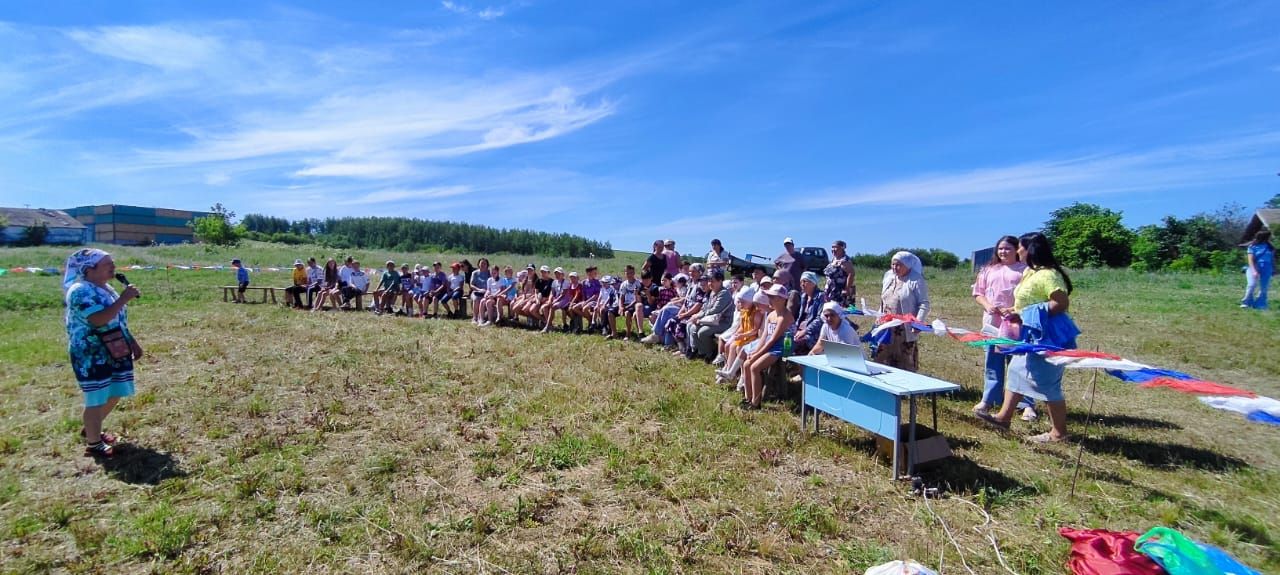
(744, 295)
(760, 298)
(78, 262)
(915, 268)
(833, 306)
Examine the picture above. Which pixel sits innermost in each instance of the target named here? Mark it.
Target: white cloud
(163, 47)
(1164, 168)
(217, 179)
(403, 195)
(491, 13)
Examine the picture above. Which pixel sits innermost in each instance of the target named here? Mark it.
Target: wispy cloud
(486, 13)
(164, 47)
(401, 195)
(1165, 168)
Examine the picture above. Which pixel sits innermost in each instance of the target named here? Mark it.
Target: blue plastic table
(872, 402)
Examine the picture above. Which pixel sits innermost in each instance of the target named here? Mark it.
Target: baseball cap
(235, 261)
(766, 280)
(297, 262)
(607, 280)
(544, 269)
(787, 240)
(390, 263)
(559, 270)
(776, 290)
(573, 274)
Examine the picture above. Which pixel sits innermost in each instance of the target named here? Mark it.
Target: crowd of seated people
(742, 324)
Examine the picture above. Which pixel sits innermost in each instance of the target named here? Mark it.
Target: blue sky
(932, 124)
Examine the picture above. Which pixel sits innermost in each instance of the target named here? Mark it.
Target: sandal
(1045, 438)
(992, 421)
(105, 437)
(99, 449)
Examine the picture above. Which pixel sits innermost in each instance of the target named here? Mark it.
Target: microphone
(120, 278)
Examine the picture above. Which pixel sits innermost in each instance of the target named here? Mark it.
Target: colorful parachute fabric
(1197, 387)
(1103, 552)
(1180, 555)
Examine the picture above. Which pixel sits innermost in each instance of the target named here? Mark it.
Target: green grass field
(265, 440)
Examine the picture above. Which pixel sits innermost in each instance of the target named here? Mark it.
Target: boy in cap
(388, 285)
(605, 314)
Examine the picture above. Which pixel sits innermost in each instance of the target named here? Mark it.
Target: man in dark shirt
(656, 264)
(790, 265)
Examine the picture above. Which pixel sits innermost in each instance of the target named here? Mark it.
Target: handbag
(116, 343)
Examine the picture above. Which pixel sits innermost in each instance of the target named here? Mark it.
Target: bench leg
(226, 295)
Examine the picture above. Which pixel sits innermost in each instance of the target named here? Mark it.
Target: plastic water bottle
(786, 345)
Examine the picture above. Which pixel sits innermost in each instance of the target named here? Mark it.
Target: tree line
(1089, 235)
(412, 235)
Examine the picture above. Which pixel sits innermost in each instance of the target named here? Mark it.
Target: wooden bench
(228, 291)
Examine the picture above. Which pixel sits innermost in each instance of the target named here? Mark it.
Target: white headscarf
(78, 262)
(915, 268)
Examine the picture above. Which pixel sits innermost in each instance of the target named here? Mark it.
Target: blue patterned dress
(100, 377)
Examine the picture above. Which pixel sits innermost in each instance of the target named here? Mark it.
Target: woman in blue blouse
(98, 339)
(1262, 256)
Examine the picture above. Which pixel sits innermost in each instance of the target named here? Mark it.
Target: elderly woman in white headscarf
(101, 347)
(834, 328)
(903, 291)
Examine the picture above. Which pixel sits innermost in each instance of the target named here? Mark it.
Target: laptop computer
(849, 357)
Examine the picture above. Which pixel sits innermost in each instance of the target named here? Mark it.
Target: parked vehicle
(815, 260)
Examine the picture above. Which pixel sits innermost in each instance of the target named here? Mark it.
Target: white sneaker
(719, 360)
(483, 324)
(1243, 306)
(1029, 414)
(650, 339)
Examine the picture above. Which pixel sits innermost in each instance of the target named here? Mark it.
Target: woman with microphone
(101, 347)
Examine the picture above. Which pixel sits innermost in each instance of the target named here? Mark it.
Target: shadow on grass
(955, 474)
(1078, 418)
(139, 465)
(1162, 455)
(961, 475)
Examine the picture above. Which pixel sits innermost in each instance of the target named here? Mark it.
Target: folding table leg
(911, 447)
(934, 398)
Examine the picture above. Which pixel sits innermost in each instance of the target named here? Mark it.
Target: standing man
(790, 265)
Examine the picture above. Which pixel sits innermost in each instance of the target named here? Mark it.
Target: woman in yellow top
(1040, 303)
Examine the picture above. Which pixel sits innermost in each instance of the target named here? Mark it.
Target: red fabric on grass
(905, 317)
(1197, 387)
(970, 337)
(1103, 552)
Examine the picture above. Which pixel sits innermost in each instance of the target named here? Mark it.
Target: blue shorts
(450, 295)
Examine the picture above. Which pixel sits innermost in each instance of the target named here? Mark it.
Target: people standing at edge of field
(903, 291)
(101, 347)
(840, 275)
(1262, 256)
(656, 263)
(993, 290)
(1040, 304)
(673, 259)
(718, 257)
(242, 279)
(299, 286)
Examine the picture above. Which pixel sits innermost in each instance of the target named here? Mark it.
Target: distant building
(1264, 219)
(981, 257)
(133, 225)
(61, 227)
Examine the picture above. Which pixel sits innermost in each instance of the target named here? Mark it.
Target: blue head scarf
(78, 262)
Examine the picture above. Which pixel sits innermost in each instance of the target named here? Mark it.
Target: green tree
(1274, 202)
(217, 228)
(1088, 235)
